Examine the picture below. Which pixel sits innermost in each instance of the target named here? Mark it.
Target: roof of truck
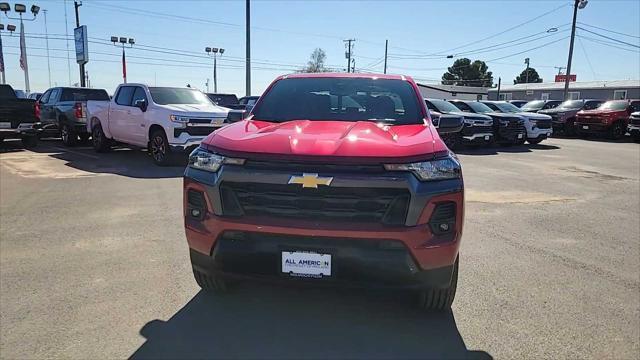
(345, 75)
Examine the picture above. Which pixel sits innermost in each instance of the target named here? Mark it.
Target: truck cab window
(124, 95)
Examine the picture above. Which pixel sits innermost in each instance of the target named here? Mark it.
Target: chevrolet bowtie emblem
(310, 180)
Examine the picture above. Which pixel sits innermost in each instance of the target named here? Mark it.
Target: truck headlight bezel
(203, 159)
(442, 168)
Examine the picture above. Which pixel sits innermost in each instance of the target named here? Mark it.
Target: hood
(468, 115)
(557, 111)
(326, 138)
(213, 110)
(599, 112)
(497, 115)
(534, 116)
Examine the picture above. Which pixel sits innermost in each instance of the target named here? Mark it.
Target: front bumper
(591, 127)
(404, 255)
(188, 138)
(633, 130)
(537, 133)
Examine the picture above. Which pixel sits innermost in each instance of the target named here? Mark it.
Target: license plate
(306, 264)
(5, 125)
(585, 127)
(487, 137)
(519, 136)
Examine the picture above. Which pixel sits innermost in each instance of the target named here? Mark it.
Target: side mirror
(235, 116)
(450, 124)
(141, 104)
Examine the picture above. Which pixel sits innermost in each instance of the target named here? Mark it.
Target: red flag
(124, 67)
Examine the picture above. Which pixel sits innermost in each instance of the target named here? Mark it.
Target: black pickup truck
(17, 117)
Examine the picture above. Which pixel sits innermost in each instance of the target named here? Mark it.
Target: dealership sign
(563, 78)
(82, 49)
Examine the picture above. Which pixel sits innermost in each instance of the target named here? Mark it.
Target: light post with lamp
(578, 4)
(21, 9)
(214, 51)
(123, 40)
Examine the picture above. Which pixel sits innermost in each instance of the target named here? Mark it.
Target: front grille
(544, 124)
(312, 168)
(635, 121)
(469, 130)
(386, 206)
(513, 127)
(590, 120)
(194, 131)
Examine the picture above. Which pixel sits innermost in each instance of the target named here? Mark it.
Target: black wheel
(100, 141)
(617, 131)
(69, 137)
(159, 148)
(440, 299)
(30, 142)
(210, 283)
(569, 128)
(535, 141)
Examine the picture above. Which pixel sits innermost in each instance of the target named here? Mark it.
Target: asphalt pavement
(94, 264)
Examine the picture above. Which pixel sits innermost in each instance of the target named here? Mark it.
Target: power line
(607, 43)
(609, 38)
(611, 31)
(586, 56)
(534, 48)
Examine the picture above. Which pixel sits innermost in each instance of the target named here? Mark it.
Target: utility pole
(499, 83)
(386, 46)
(46, 39)
(560, 68)
(82, 80)
(348, 53)
(526, 61)
(66, 33)
(2, 69)
(87, 77)
(578, 4)
(248, 49)
(207, 84)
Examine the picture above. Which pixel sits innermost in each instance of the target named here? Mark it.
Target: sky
(171, 37)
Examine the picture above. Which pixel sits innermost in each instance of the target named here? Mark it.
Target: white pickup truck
(164, 120)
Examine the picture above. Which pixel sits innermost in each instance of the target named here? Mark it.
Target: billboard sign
(563, 78)
(81, 40)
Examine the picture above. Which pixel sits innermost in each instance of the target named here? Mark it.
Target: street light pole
(46, 39)
(248, 49)
(4, 80)
(526, 61)
(21, 9)
(76, 5)
(578, 4)
(123, 40)
(214, 51)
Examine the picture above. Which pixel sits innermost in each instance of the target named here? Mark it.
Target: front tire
(535, 141)
(617, 131)
(99, 140)
(209, 283)
(440, 299)
(69, 137)
(159, 148)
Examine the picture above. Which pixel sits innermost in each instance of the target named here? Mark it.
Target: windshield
(223, 99)
(342, 99)
(614, 105)
(507, 107)
(479, 107)
(442, 106)
(166, 96)
(571, 104)
(534, 105)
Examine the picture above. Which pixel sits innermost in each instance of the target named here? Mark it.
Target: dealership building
(608, 90)
(452, 92)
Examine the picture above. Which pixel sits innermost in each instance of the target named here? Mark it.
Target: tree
(316, 62)
(534, 77)
(467, 73)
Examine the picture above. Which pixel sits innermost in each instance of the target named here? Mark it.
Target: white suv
(539, 126)
(163, 119)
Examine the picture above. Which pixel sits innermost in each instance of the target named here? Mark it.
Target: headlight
(468, 121)
(439, 169)
(534, 123)
(202, 159)
(179, 119)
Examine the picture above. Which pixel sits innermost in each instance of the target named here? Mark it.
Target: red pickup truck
(332, 179)
(611, 118)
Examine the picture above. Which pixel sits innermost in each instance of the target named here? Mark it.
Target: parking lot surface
(94, 264)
